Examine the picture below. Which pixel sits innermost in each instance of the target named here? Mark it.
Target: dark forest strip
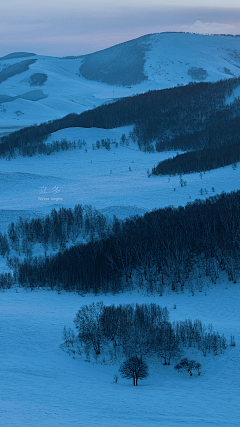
(160, 115)
(157, 251)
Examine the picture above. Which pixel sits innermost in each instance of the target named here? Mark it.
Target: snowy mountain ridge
(36, 88)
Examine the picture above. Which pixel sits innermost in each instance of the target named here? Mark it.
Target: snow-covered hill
(37, 88)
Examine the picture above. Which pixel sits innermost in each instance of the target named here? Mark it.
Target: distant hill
(17, 55)
(76, 84)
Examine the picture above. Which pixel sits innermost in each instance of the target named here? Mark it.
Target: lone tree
(134, 368)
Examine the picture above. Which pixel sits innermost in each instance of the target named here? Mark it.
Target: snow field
(170, 57)
(42, 385)
(102, 178)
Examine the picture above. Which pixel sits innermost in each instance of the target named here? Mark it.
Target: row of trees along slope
(216, 146)
(167, 112)
(201, 160)
(225, 130)
(160, 250)
(55, 231)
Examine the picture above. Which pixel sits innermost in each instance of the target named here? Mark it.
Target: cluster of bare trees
(224, 154)
(14, 69)
(124, 330)
(138, 331)
(40, 147)
(189, 366)
(192, 110)
(7, 280)
(57, 230)
(37, 79)
(224, 126)
(134, 333)
(168, 248)
(4, 245)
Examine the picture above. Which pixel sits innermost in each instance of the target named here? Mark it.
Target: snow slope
(154, 61)
(105, 179)
(41, 385)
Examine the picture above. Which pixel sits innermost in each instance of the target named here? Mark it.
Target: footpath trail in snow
(40, 385)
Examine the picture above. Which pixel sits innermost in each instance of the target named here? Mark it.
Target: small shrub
(115, 378)
(188, 365)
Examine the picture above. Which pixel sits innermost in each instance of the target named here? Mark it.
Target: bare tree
(87, 321)
(167, 343)
(134, 368)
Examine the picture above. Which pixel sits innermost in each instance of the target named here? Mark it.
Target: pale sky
(76, 27)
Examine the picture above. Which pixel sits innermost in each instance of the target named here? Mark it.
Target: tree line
(167, 248)
(42, 148)
(57, 230)
(168, 128)
(18, 68)
(222, 128)
(155, 114)
(201, 160)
